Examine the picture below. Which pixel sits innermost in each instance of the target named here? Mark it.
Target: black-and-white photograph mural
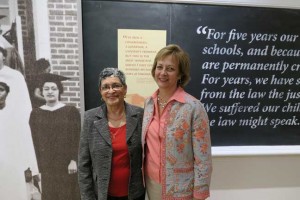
(39, 100)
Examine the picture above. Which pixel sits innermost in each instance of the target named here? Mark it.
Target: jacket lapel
(131, 121)
(102, 124)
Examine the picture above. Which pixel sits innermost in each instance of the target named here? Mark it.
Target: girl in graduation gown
(55, 132)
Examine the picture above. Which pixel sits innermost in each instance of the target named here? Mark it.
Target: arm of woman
(85, 173)
(74, 133)
(202, 152)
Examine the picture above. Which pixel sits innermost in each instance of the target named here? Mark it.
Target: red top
(120, 170)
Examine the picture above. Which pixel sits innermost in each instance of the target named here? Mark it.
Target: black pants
(124, 198)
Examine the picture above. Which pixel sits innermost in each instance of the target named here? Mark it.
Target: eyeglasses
(114, 87)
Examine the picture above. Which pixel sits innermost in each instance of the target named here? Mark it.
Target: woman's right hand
(72, 167)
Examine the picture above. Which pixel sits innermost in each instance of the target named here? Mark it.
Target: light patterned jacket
(186, 164)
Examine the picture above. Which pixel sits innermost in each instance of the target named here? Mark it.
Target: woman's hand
(72, 168)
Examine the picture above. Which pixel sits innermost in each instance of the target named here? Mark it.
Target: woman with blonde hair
(175, 134)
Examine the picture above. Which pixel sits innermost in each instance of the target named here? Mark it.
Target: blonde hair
(183, 62)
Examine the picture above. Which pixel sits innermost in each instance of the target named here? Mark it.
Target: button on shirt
(154, 138)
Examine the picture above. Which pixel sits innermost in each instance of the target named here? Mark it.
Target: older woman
(55, 130)
(175, 133)
(110, 153)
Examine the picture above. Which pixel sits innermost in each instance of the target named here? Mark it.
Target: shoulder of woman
(93, 112)
(36, 110)
(193, 102)
(148, 100)
(72, 108)
(134, 108)
(191, 99)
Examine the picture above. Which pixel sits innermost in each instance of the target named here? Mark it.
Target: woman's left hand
(72, 168)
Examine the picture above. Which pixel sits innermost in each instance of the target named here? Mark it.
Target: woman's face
(50, 92)
(112, 91)
(167, 73)
(3, 94)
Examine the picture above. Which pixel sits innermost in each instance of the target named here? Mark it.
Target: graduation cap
(49, 77)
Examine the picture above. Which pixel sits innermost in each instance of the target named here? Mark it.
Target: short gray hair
(114, 72)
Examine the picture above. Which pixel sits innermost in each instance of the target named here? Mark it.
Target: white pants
(153, 189)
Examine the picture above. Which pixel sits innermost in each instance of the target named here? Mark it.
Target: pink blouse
(154, 139)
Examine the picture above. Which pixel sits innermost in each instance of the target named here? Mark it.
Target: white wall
(273, 177)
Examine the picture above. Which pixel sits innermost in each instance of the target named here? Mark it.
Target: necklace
(114, 132)
(116, 122)
(116, 119)
(161, 102)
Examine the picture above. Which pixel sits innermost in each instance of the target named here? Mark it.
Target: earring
(179, 81)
